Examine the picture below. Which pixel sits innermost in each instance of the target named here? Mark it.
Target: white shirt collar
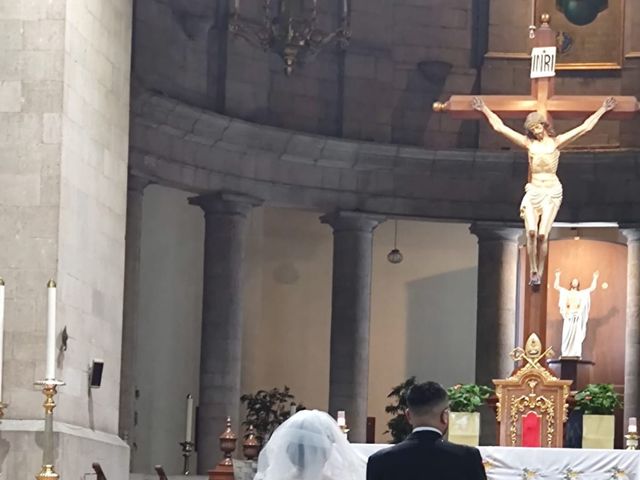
(427, 429)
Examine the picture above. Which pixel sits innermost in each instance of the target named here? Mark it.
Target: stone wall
(200, 151)
(403, 55)
(93, 179)
(64, 109)
(31, 92)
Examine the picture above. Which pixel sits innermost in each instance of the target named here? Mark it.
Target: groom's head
(428, 406)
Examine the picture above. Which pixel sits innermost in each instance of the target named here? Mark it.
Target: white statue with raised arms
(574, 307)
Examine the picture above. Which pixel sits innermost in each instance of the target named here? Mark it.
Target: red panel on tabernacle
(531, 430)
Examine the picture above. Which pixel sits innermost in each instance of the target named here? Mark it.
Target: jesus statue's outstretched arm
(497, 124)
(556, 284)
(566, 138)
(594, 282)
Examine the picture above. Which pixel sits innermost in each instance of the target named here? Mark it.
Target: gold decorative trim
(588, 66)
(551, 407)
(531, 355)
(598, 65)
(632, 54)
(561, 66)
(507, 56)
(533, 403)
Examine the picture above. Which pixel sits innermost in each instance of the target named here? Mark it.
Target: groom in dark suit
(425, 455)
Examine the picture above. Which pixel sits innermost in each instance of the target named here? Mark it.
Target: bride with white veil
(310, 446)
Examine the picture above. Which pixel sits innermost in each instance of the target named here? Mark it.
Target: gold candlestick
(3, 407)
(631, 441)
(49, 389)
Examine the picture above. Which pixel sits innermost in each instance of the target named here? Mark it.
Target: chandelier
(294, 39)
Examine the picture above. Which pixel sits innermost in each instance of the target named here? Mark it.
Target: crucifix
(543, 191)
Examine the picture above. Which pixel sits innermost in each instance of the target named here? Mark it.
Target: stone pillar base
(76, 448)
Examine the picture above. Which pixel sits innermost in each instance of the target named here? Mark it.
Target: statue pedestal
(575, 369)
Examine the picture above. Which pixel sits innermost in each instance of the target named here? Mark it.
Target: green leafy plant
(267, 409)
(598, 399)
(399, 427)
(467, 398)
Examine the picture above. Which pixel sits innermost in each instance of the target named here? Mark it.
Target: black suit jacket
(424, 455)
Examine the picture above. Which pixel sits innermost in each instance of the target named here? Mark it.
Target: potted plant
(464, 418)
(267, 409)
(598, 402)
(399, 427)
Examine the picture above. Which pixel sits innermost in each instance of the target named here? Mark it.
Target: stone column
(632, 329)
(350, 305)
(221, 344)
(496, 309)
(133, 236)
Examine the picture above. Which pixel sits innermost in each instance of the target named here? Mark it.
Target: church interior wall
(64, 112)
(422, 312)
(402, 57)
(607, 316)
(168, 350)
(93, 182)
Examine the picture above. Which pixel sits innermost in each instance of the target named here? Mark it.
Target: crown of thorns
(534, 118)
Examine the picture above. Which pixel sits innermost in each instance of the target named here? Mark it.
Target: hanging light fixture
(295, 39)
(395, 256)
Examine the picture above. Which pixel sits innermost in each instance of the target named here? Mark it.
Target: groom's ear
(444, 416)
(408, 415)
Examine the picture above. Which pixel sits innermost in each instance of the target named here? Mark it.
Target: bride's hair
(309, 446)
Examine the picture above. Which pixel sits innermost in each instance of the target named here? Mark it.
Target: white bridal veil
(310, 446)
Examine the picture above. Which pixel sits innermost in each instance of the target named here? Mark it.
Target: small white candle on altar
(342, 419)
(1, 332)
(236, 6)
(292, 410)
(189, 433)
(51, 331)
(633, 425)
(345, 8)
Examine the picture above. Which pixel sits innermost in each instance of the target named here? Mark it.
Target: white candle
(189, 433)
(1, 333)
(342, 421)
(236, 5)
(292, 411)
(51, 331)
(633, 425)
(533, 12)
(345, 8)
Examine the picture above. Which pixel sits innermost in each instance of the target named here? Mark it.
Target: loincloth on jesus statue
(537, 196)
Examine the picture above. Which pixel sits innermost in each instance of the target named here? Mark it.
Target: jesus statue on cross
(543, 192)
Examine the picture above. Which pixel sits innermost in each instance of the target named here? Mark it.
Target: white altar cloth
(507, 463)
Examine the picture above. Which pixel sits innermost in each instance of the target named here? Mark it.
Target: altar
(509, 463)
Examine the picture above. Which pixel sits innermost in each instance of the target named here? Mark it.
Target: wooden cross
(543, 100)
